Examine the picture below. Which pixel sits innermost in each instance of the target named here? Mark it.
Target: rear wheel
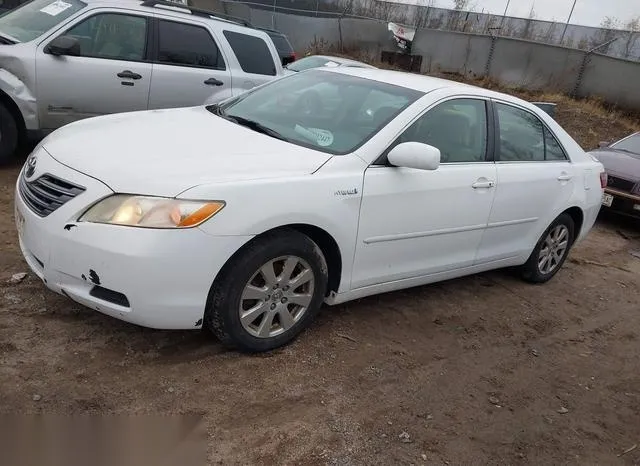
(269, 293)
(8, 134)
(551, 251)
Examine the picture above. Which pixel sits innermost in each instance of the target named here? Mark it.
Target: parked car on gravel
(621, 160)
(317, 61)
(65, 60)
(245, 216)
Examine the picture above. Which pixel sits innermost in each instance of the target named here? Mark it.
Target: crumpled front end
(17, 81)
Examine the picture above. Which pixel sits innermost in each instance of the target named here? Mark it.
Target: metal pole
(273, 16)
(504, 15)
(568, 20)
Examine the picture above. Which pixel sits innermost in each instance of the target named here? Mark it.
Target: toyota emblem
(31, 166)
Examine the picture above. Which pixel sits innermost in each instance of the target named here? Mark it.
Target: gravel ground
(480, 370)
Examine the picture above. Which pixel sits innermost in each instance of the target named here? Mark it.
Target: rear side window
(252, 53)
(523, 137)
(553, 149)
(187, 45)
(281, 43)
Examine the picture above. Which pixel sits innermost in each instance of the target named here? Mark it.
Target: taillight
(293, 56)
(603, 179)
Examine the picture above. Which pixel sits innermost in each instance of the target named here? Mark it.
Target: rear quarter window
(252, 52)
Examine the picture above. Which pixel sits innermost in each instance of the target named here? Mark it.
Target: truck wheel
(8, 134)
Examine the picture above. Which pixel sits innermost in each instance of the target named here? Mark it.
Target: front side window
(329, 112)
(31, 20)
(252, 52)
(112, 36)
(457, 127)
(187, 45)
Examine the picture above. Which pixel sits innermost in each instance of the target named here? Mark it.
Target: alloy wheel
(276, 296)
(555, 247)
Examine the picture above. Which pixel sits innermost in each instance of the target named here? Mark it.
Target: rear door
(111, 73)
(189, 67)
(535, 180)
(257, 61)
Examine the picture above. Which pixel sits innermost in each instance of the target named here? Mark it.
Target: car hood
(620, 163)
(165, 152)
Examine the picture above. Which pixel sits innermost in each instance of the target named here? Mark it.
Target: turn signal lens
(151, 212)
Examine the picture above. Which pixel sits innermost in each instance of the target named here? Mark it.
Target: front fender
(22, 96)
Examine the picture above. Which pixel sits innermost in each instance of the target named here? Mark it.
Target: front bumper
(624, 203)
(164, 275)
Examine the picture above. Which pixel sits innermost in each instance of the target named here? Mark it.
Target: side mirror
(604, 144)
(63, 45)
(415, 155)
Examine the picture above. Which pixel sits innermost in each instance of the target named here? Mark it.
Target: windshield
(631, 144)
(311, 62)
(329, 112)
(34, 18)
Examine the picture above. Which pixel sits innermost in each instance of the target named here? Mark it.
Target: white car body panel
(394, 227)
(196, 157)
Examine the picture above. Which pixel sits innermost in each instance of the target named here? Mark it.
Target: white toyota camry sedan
(325, 186)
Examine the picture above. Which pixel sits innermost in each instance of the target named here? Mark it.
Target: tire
(8, 134)
(536, 269)
(244, 288)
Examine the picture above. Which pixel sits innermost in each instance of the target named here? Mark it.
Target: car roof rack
(269, 30)
(197, 11)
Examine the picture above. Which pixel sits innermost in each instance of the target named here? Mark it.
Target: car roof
(340, 60)
(422, 83)
(176, 8)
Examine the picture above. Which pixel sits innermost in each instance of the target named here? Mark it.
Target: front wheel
(8, 134)
(268, 293)
(551, 251)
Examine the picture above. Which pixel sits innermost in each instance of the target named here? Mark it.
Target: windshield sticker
(55, 8)
(322, 137)
(331, 64)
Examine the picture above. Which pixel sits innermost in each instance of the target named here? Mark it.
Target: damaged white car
(328, 185)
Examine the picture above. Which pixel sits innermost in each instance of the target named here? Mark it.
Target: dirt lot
(480, 370)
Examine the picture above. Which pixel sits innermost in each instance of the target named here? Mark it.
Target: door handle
(565, 177)
(483, 184)
(213, 82)
(126, 74)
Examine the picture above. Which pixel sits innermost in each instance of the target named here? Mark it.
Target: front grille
(620, 184)
(47, 193)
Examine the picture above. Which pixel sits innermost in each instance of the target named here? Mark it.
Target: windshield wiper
(7, 41)
(625, 150)
(254, 125)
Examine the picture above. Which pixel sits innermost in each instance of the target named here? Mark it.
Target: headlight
(151, 212)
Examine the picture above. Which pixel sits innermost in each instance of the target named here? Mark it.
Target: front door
(415, 223)
(189, 67)
(112, 73)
